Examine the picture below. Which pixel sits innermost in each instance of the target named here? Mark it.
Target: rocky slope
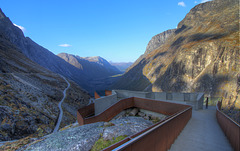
(201, 55)
(84, 137)
(158, 40)
(29, 95)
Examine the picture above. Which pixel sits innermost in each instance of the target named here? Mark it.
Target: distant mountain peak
(95, 65)
(94, 58)
(158, 40)
(2, 15)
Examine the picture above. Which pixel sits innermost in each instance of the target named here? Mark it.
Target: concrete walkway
(202, 133)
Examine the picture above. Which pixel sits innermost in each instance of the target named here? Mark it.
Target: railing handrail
(175, 111)
(226, 115)
(131, 141)
(229, 127)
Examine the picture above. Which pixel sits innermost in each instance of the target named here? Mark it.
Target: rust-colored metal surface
(229, 127)
(147, 104)
(159, 136)
(85, 112)
(108, 92)
(96, 95)
(111, 112)
(158, 106)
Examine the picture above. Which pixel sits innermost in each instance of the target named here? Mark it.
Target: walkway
(60, 107)
(202, 133)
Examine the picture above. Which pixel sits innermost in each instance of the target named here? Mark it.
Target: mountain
(122, 66)
(201, 55)
(41, 55)
(30, 93)
(101, 74)
(158, 40)
(94, 67)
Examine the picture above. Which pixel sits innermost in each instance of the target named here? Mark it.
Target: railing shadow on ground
(159, 137)
(230, 128)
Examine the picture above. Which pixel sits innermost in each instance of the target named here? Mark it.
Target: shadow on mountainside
(177, 42)
(134, 79)
(200, 36)
(172, 79)
(210, 84)
(159, 54)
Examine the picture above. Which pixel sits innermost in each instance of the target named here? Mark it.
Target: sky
(117, 30)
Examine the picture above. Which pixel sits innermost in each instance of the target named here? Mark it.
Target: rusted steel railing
(107, 115)
(96, 95)
(147, 104)
(229, 127)
(108, 92)
(85, 112)
(159, 136)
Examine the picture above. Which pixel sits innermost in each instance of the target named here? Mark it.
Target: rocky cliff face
(201, 55)
(158, 40)
(29, 95)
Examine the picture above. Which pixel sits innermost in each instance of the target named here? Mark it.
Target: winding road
(60, 114)
(60, 106)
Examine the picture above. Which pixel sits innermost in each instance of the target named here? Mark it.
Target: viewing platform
(190, 126)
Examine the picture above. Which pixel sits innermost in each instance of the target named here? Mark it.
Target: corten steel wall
(85, 112)
(158, 137)
(96, 95)
(108, 92)
(229, 127)
(166, 108)
(107, 115)
(147, 104)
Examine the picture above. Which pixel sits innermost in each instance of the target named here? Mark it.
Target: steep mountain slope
(201, 55)
(41, 55)
(95, 67)
(29, 95)
(158, 40)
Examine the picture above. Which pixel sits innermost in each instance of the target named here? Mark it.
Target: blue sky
(117, 30)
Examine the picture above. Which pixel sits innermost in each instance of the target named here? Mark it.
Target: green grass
(101, 143)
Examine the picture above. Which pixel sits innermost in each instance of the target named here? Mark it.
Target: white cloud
(65, 45)
(181, 4)
(20, 27)
(195, 2)
(203, 1)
